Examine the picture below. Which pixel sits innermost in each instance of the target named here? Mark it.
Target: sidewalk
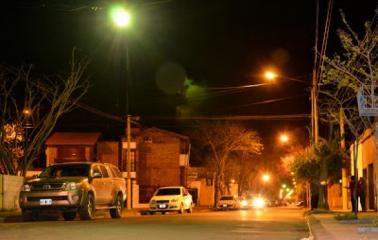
(325, 227)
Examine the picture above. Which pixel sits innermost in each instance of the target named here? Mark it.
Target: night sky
(193, 45)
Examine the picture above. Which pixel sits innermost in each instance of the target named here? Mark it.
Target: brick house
(163, 157)
(71, 147)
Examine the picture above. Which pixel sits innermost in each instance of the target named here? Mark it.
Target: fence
(10, 187)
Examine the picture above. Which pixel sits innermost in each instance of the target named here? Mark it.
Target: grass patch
(345, 216)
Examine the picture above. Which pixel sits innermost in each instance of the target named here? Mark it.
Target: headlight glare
(26, 188)
(71, 186)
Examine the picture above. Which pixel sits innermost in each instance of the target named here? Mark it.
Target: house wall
(367, 155)
(51, 153)
(64, 153)
(108, 152)
(159, 162)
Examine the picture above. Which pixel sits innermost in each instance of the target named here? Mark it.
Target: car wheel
(181, 211)
(69, 216)
(29, 216)
(117, 211)
(190, 209)
(87, 210)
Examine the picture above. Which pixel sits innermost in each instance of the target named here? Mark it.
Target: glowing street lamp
(284, 138)
(270, 75)
(120, 17)
(266, 178)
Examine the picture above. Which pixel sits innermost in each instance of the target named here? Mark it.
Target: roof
(73, 138)
(167, 132)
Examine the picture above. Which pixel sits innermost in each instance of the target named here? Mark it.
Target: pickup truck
(71, 188)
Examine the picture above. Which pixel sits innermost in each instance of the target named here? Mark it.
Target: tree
(350, 74)
(221, 139)
(307, 166)
(29, 110)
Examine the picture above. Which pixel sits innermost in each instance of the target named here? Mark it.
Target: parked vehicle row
(82, 188)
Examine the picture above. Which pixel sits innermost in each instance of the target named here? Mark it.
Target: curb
(310, 231)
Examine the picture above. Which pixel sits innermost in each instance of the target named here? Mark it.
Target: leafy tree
(29, 110)
(353, 73)
(222, 139)
(307, 166)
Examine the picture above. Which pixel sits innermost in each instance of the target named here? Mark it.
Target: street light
(284, 138)
(266, 178)
(122, 19)
(26, 125)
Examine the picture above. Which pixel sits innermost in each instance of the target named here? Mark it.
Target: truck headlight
(26, 188)
(71, 186)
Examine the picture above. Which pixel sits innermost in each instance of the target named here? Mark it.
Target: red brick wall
(158, 163)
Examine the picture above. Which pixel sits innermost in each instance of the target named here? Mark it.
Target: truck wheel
(117, 211)
(86, 212)
(69, 216)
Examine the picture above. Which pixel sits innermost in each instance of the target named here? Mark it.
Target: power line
(234, 118)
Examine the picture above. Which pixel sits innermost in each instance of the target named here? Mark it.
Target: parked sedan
(228, 202)
(168, 199)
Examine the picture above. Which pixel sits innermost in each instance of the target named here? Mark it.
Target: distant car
(228, 202)
(256, 202)
(72, 188)
(170, 199)
(259, 202)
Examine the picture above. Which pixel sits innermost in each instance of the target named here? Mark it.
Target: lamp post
(27, 124)
(122, 19)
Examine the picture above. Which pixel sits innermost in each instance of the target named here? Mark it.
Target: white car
(168, 199)
(228, 202)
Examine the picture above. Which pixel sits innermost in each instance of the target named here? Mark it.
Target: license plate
(45, 201)
(224, 205)
(162, 205)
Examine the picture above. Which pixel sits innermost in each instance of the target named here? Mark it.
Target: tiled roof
(73, 138)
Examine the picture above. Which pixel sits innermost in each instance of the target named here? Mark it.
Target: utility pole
(128, 164)
(344, 179)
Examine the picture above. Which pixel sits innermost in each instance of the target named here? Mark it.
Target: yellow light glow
(284, 138)
(266, 177)
(26, 112)
(269, 75)
(121, 17)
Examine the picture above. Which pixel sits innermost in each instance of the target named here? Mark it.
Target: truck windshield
(74, 170)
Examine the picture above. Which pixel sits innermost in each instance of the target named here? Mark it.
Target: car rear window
(168, 191)
(227, 198)
(74, 170)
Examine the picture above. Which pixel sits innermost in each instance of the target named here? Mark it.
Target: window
(66, 170)
(104, 171)
(147, 139)
(95, 170)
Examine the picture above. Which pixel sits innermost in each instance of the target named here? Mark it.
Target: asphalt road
(273, 223)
